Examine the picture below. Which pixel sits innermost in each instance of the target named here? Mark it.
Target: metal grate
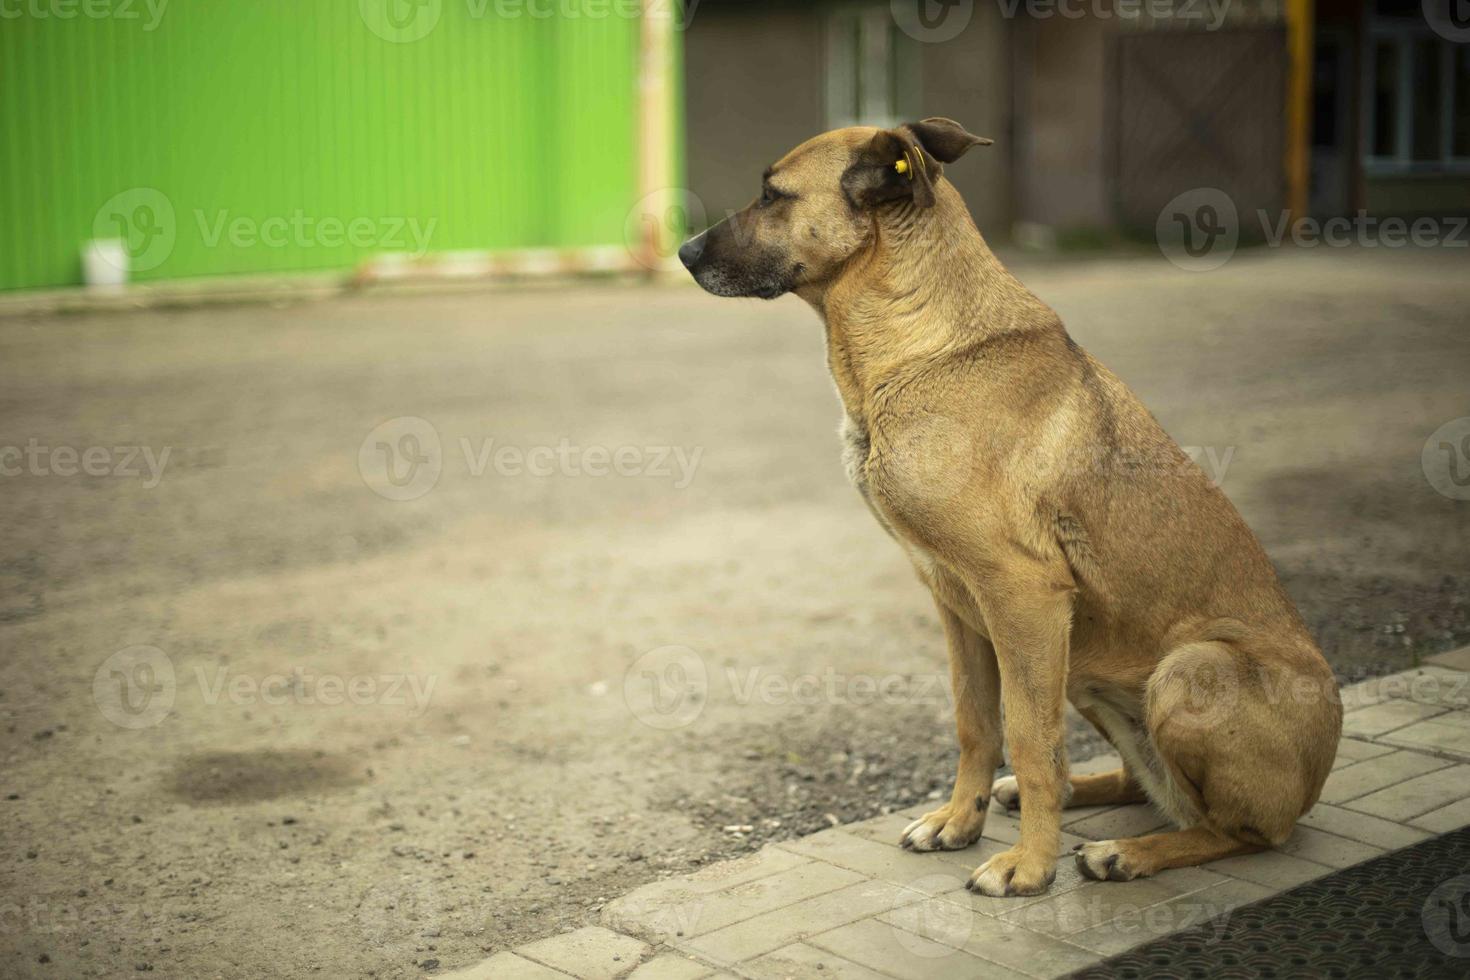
(1403, 915)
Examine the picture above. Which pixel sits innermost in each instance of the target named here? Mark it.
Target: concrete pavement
(849, 904)
(401, 735)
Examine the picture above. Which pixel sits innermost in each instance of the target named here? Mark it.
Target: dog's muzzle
(722, 269)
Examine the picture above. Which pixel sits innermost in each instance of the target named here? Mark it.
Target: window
(1418, 94)
(872, 68)
(1385, 98)
(1460, 99)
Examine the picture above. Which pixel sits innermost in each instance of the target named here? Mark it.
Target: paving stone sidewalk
(849, 904)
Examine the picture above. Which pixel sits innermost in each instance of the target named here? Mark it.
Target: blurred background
(398, 562)
(183, 139)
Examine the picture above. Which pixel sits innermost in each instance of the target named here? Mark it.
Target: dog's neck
(925, 286)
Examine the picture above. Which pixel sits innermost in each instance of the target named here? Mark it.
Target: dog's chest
(855, 447)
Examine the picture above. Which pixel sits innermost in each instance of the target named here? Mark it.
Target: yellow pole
(1299, 25)
(655, 141)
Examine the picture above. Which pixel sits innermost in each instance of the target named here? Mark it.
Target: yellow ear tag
(902, 166)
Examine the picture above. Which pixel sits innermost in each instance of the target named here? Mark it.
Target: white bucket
(105, 264)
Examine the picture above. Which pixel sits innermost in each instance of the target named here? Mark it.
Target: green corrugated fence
(268, 136)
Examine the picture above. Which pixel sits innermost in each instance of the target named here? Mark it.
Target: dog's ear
(945, 139)
(891, 166)
(905, 162)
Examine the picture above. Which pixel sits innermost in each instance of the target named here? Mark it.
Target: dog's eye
(769, 195)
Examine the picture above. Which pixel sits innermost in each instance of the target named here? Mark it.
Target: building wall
(755, 88)
(1062, 151)
(1440, 194)
(301, 118)
(969, 80)
(1070, 121)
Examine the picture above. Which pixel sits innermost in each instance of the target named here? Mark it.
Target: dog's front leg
(976, 685)
(1028, 610)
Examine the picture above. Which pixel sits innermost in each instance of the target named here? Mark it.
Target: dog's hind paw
(1007, 792)
(1105, 860)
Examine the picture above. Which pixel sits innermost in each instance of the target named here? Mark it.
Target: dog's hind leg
(1115, 787)
(1110, 788)
(976, 682)
(1244, 735)
(1133, 857)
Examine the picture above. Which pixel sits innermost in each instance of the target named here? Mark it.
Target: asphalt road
(270, 707)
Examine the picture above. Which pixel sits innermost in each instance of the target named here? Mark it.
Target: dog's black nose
(691, 250)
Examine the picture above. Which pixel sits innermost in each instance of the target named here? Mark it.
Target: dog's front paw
(1106, 860)
(1014, 872)
(949, 828)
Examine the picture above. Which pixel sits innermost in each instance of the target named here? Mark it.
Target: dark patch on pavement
(250, 777)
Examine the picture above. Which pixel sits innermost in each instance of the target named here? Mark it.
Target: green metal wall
(504, 131)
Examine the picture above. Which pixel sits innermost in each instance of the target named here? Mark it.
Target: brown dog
(1072, 548)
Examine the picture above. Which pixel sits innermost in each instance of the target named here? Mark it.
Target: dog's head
(818, 206)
